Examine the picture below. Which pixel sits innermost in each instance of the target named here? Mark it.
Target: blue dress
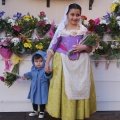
(38, 92)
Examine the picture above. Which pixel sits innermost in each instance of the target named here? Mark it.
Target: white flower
(45, 18)
(15, 40)
(100, 47)
(113, 46)
(118, 22)
(103, 21)
(118, 18)
(11, 21)
(3, 40)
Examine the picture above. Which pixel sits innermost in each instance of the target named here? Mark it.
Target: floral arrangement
(23, 46)
(6, 52)
(10, 77)
(5, 23)
(21, 25)
(42, 25)
(92, 39)
(26, 24)
(107, 28)
(18, 40)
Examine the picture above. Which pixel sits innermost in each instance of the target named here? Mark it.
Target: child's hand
(23, 78)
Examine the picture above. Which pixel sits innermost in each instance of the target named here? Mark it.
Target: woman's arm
(47, 64)
(50, 54)
(28, 75)
(80, 48)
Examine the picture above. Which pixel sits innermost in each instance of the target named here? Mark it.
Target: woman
(71, 91)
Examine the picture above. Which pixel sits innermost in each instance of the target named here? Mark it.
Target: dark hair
(37, 56)
(74, 6)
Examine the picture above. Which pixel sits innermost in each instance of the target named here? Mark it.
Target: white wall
(56, 9)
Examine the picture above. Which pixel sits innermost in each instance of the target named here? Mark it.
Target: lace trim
(51, 51)
(74, 32)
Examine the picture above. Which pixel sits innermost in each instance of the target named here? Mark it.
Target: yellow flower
(113, 7)
(27, 18)
(28, 40)
(27, 45)
(39, 46)
(16, 59)
(30, 17)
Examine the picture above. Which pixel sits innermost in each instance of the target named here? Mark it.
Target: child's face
(38, 62)
(73, 16)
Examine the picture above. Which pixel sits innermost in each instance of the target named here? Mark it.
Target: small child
(39, 83)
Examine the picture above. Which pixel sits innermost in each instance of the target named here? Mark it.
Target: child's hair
(74, 6)
(37, 56)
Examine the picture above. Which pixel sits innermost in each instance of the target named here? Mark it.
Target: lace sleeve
(51, 51)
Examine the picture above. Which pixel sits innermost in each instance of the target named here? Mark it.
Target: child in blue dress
(39, 83)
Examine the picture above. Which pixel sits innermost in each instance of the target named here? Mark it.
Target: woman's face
(73, 16)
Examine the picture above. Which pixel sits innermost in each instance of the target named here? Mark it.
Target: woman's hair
(74, 6)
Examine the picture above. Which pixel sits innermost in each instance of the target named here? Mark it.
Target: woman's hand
(79, 48)
(47, 68)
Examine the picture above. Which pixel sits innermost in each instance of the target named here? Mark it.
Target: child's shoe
(34, 113)
(41, 115)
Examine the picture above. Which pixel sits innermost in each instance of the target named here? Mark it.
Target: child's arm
(47, 75)
(23, 78)
(28, 75)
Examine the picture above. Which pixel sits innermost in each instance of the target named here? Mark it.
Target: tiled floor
(24, 116)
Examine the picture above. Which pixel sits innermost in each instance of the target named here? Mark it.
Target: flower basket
(6, 53)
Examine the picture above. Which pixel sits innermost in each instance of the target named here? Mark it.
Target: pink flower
(17, 28)
(42, 13)
(97, 21)
(51, 34)
(2, 78)
(24, 38)
(6, 52)
(43, 23)
(38, 23)
(108, 29)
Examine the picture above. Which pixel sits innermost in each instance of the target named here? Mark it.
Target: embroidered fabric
(81, 31)
(77, 76)
(51, 51)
